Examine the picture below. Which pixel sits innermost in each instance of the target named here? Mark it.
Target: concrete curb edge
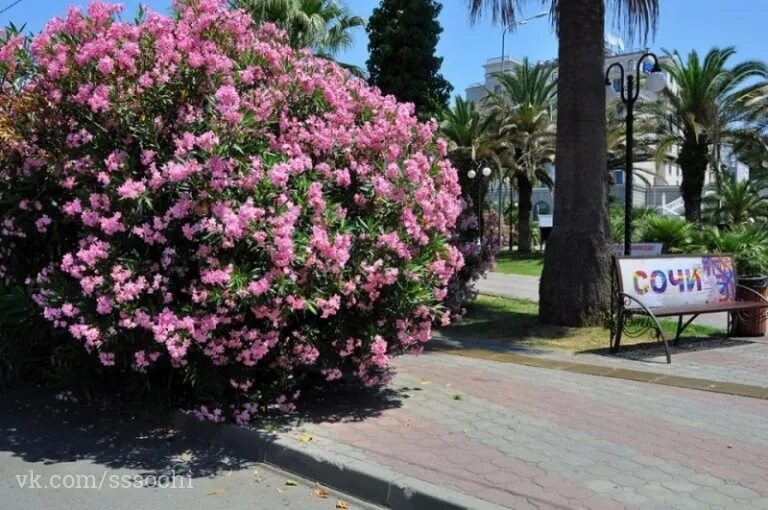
(366, 481)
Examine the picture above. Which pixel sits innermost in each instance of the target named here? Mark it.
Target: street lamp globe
(657, 81)
(487, 172)
(471, 174)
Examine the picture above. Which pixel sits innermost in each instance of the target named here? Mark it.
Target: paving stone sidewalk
(524, 437)
(733, 360)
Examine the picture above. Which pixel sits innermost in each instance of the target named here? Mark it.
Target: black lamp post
(630, 92)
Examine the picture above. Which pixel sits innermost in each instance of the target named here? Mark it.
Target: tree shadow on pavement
(647, 351)
(37, 428)
(347, 402)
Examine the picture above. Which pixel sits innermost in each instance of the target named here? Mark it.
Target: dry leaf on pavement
(321, 493)
(342, 505)
(217, 492)
(291, 483)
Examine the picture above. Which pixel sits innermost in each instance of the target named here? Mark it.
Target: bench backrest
(676, 280)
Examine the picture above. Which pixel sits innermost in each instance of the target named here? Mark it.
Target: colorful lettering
(678, 281)
(693, 279)
(638, 288)
(655, 277)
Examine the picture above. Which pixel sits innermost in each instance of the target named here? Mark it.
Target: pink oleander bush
(189, 196)
(479, 257)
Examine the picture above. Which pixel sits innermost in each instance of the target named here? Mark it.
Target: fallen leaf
(305, 438)
(321, 493)
(424, 381)
(291, 483)
(342, 505)
(281, 490)
(217, 492)
(186, 456)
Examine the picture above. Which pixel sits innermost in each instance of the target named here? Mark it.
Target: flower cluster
(191, 194)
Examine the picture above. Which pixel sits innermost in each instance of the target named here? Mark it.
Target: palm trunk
(693, 161)
(524, 206)
(575, 284)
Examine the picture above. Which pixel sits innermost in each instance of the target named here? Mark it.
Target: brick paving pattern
(725, 360)
(524, 437)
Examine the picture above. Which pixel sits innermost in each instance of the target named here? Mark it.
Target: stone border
(693, 383)
(318, 462)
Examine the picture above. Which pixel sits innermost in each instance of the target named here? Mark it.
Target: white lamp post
(485, 172)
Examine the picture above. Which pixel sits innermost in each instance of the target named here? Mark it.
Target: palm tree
(522, 113)
(471, 143)
(644, 143)
(699, 112)
(735, 203)
(575, 285)
(321, 25)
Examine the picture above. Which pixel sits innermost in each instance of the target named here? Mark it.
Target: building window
(617, 84)
(497, 89)
(541, 208)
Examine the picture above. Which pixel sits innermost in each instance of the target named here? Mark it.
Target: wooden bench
(675, 286)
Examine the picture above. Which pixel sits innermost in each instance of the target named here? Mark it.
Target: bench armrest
(752, 291)
(625, 297)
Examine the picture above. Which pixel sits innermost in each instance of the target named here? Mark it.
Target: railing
(674, 208)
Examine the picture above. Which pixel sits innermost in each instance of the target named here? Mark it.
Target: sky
(685, 25)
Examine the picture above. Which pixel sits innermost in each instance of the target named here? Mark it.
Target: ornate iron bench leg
(620, 318)
(659, 331)
(663, 340)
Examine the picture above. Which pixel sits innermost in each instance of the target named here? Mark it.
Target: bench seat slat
(699, 309)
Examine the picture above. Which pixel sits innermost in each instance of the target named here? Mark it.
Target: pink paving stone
(605, 421)
(452, 464)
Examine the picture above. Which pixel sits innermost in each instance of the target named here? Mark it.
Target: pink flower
(131, 189)
(42, 223)
(99, 99)
(220, 277)
(106, 65)
(112, 224)
(107, 359)
(103, 305)
(329, 307)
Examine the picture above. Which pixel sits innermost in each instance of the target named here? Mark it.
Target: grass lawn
(515, 263)
(515, 322)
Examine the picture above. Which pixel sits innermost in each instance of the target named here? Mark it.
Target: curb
(369, 482)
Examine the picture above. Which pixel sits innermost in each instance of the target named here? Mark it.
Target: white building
(655, 184)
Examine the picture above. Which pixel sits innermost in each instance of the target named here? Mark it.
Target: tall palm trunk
(693, 159)
(575, 288)
(524, 206)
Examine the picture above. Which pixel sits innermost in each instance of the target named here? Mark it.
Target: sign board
(639, 249)
(678, 281)
(545, 221)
